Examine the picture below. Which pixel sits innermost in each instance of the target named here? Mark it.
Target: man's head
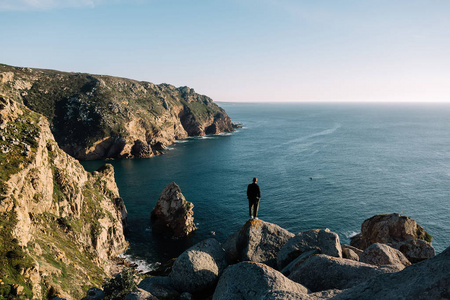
(255, 180)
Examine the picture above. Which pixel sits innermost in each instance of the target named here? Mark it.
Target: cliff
(60, 226)
(97, 117)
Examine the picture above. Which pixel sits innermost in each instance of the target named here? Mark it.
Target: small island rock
(173, 215)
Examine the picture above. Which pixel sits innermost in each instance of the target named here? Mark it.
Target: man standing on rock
(253, 195)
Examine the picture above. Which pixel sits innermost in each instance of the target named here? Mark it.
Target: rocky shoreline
(264, 261)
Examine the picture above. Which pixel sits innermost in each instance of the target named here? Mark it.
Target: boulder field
(264, 261)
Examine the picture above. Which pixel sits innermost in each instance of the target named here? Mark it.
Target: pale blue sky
(248, 50)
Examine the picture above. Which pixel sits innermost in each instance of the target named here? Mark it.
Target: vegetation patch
(13, 262)
(18, 144)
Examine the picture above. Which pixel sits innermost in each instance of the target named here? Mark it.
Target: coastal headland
(62, 227)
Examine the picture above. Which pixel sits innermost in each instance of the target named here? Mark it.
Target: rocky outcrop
(429, 279)
(173, 216)
(351, 252)
(198, 268)
(287, 270)
(159, 286)
(322, 240)
(60, 226)
(140, 294)
(323, 272)
(257, 241)
(98, 117)
(248, 280)
(400, 232)
(381, 254)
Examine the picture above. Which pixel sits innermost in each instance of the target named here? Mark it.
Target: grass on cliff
(14, 261)
(71, 269)
(18, 145)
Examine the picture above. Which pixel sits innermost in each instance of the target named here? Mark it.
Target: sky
(243, 50)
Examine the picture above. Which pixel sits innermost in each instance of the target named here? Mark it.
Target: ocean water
(319, 166)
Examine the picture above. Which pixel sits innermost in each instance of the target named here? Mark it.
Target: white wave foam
(225, 133)
(181, 141)
(321, 133)
(141, 265)
(350, 234)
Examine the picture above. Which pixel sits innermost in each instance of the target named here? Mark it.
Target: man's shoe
(256, 218)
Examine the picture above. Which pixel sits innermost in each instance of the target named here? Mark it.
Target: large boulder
(416, 250)
(429, 279)
(159, 286)
(173, 215)
(300, 259)
(248, 280)
(397, 231)
(322, 240)
(198, 268)
(323, 272)
(257, 241)
(381, 254)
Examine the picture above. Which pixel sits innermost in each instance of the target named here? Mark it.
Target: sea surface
(319, 166)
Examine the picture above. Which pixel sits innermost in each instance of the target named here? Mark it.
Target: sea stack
(173, 215)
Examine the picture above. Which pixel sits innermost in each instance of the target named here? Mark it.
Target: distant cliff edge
(98, 117)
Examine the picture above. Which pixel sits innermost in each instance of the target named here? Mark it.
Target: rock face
(159, 286)
(429, 279)
(351, 252)
(198, 268)
(60, 226)
(401, 232)
(322, 272)
(324, 241)
(98, 117)
(248, 280)
(257, 241)
(173, 215)
(140, 294)
(381, 254)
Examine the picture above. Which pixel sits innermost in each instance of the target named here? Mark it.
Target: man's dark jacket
(253, 192)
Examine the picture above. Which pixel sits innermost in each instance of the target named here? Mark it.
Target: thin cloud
(25, 5)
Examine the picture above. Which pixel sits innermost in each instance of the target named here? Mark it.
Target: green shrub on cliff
(120, 286)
